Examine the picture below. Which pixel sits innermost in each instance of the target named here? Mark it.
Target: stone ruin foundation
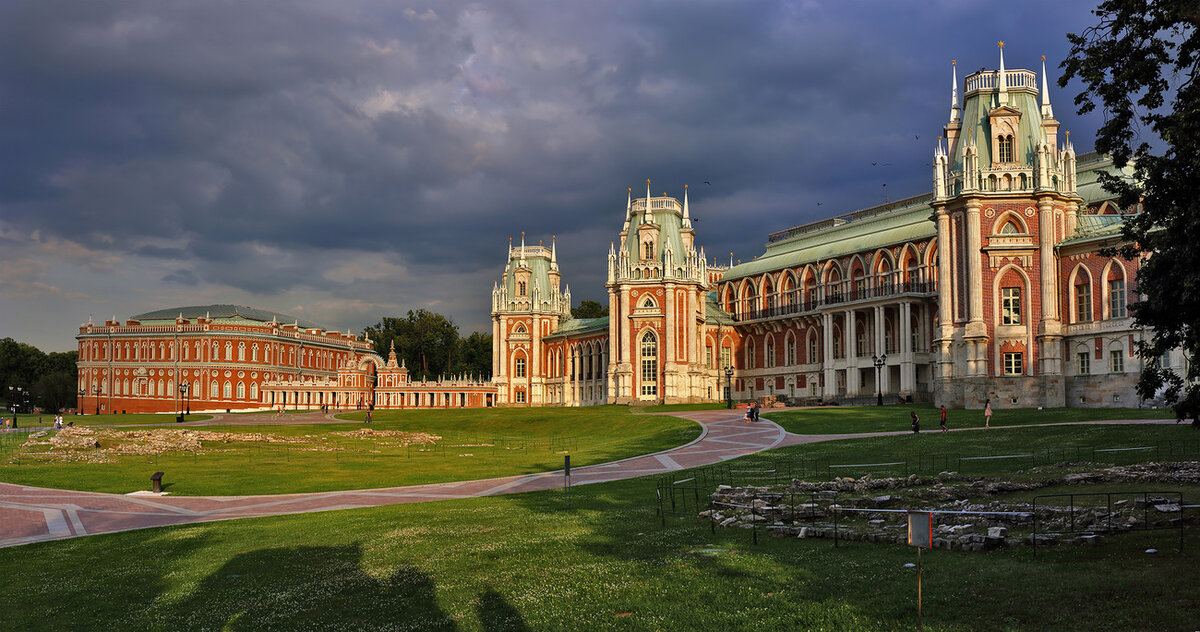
(875, 509)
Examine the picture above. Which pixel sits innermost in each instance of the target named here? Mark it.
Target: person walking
(916, 422)
(942, 421)
(754, 412)
(987, 413)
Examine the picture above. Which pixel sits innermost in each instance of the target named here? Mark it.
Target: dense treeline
(430, 345)
(49, 378)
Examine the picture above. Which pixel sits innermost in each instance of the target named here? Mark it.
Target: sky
(345, 161)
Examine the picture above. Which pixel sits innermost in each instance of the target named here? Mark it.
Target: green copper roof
(579, 326)
(713, 314)
(895, 223)
(226, 313)
(1095, 227)
(670, 227)
(975, 122)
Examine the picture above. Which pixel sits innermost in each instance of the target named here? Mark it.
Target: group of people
(752, 412)
(944, 417)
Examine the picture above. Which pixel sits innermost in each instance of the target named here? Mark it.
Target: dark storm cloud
(261, 145)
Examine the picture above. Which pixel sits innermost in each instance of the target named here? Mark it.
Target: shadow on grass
(307, 588)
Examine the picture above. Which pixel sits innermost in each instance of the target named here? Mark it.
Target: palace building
(992, 286)
(224, 358)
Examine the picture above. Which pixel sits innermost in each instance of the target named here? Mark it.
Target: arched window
(769, 358)
(227, 393)
(216, 352)
(520, 288)
(649, 364)
(648, 250)
(1116, 292)
(648, 302)
(213, 391)
(750, 354)
(812, 349)
(241, 390)
(254, 391)
(158, 389)
(241, 352)
(254, 353)
(1009, 228)
(791, 350)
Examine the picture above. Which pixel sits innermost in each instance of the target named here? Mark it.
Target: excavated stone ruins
(805, 509)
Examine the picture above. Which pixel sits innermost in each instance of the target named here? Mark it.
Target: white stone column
(852, 374)
(830, 389)
(881, 348)
(975, 287)
(907, 368)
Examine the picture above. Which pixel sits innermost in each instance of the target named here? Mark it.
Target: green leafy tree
(1139, 63)
(25, 366)
(425, 340)
(589, 309)
(476, 354)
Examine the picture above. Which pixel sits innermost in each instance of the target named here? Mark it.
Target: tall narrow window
(519, 370)
(791, 351)
(812, 349)
(1005, 146)
(750, 354)
(1116, 298)
(708, 356)
(1010, 306)
(241, 352)
(254, 353)
(769, 360)
(1085, 363)
(649, 364)
(212, 390)
(1083, 302)
(726, 357)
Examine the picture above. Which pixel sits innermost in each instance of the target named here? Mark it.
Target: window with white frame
(812, 349)
(519, 368)
(1083, 302)
(750, 354)
(1116, 298)
(228, 392)
(241, 390)
(241, 352)
(1014, 363)
(1116, 359)
(769, 359)
(213, 390)
(1085, 362)
(708, 356)
(791, 351)
(726, 357)
(521, 397)
(1010, 306)
(860, 345)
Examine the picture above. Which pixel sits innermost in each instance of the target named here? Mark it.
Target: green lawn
(481, 443)
(523, 562)
(858, 419)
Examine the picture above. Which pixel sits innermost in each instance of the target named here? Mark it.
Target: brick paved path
(34, 514)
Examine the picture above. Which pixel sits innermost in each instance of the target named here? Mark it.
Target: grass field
(475, 444)
(858, 419)
(523, 562)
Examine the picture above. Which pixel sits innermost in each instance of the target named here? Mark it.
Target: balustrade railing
(835, 298)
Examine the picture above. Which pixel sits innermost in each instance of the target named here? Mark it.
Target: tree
(589, 309)
(1141, 63)
(428, 343)
(476, 352)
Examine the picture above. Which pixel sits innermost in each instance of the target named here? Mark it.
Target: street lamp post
(728, 387)
(82, 394)
(96, 392)
(879, 362)
(183, 394)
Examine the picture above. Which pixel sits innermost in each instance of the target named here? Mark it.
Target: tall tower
(527, 305)
(656, 284)
(1004, 195)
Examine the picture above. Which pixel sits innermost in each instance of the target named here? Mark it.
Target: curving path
(35, 514)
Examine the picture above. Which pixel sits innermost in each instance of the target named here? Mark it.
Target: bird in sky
(708, 183)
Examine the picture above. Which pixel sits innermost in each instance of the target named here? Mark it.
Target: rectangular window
(812, 349)
(520, 367)
(520, 397)
(1010, 306)
(708, 357)
(1117, 357)
(1085, 363)
(861, 344)
(1116, 298)
(726, 357)
(769, 361)
(649, 376)
(1083, 302)
(791, 352)
(1014, 363)
(750, 356)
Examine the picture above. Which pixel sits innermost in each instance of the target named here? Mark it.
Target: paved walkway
(35, 514)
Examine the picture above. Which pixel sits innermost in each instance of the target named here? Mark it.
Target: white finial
(954, 115)
(553, 252)
(1003, 79)
(646, 213)
(1047, 111)
(629, 204)
(687, 221)
(522, 248)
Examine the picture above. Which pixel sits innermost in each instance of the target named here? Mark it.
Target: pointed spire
(646, 212)
(687, 221)
(553, 252)
(629, 205)
(522, 248)
(1047, 110)
(954, 114)
(1003, 81)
